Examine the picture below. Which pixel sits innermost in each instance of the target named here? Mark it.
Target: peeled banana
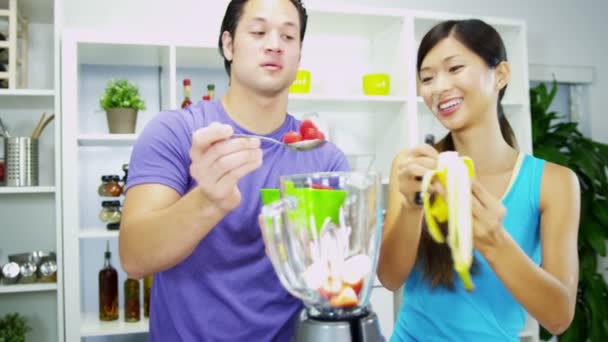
(454, 173)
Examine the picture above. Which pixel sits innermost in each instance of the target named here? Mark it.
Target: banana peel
(454, 173)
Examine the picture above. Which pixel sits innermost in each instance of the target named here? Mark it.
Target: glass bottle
(211, 91)
(2, 171)
(132, 311)
(186, 101)
(147, 293)
(108, 289)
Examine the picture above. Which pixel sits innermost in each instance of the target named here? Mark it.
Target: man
(191, 208)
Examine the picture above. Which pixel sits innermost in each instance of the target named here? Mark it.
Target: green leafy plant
(121, 94)
(563, 143)
(13, 328)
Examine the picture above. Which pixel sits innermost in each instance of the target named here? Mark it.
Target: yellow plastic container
(376, 84)
(301, 85)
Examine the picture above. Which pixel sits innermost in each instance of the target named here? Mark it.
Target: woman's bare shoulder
(559, 184)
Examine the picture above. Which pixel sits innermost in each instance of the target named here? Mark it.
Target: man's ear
(503, 74)
(227, 45)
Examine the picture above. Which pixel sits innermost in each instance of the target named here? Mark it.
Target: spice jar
(110, 186)
(101, 190)
(110, 211)
(48, 271)
(28, 273)
(10, 273)
(113, 188)
(132, 305)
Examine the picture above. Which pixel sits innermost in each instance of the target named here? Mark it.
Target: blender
(322, 233)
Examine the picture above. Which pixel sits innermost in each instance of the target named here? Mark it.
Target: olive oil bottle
(108, 289)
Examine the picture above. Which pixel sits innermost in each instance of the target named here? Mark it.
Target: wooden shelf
(23, 288)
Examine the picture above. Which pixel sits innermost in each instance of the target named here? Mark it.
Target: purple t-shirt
(226, 290)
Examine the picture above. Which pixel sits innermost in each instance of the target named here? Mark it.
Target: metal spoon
(303, 145)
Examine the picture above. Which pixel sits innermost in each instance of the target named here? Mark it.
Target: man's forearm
(157, 240)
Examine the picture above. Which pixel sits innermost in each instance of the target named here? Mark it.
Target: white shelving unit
(97, 233)
(32, 216)
(20, 93)
(30, 99)
(93, 327)
(28, 288)
(27, 190)
(106, 140)
(367, 40)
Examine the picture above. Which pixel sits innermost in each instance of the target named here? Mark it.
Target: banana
(454, 173)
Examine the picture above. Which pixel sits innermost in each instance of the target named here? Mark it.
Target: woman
(525, 210)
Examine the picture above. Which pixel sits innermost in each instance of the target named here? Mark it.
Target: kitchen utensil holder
(21, 161)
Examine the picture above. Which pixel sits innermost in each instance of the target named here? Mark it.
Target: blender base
(364, 328)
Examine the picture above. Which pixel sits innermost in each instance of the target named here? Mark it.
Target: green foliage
(121, 94)
(563, 143)
(13, 328)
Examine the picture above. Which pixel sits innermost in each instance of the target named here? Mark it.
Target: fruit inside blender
(335, 274)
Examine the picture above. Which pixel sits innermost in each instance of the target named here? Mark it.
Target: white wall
(562, 32)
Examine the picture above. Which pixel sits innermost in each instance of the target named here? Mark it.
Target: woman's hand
(488, 213)
(412, 164)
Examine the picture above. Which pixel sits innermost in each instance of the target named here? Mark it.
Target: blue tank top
(490, 312)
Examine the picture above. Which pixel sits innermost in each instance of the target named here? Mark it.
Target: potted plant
(13, 328)
(121, 101)
(564, 144)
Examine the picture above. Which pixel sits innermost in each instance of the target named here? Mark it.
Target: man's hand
(218, 162)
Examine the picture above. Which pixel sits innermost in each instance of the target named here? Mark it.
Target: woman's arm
(548, 292)
(402, 226)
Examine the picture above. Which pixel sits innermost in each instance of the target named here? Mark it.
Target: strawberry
(355, 269)
(321, 187)
(330, 288)
(357, 286)
(309, 133)
(305, 125)
(347, 298)
(321, 136)
(292, 137)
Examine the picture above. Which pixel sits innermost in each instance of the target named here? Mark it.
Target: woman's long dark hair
(482, 39)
